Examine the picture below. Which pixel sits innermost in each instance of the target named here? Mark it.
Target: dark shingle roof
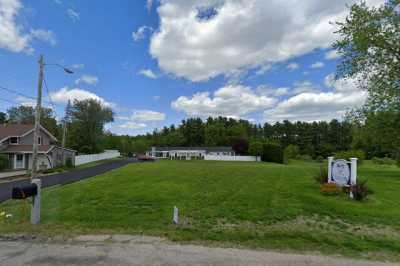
(7, 130)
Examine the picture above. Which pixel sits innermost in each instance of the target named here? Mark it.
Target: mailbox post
(27, 191)
(35, 211)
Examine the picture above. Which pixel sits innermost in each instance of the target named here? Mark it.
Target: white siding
(231, 158)
(107, 154)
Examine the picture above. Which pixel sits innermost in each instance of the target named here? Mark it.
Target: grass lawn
(256, 205)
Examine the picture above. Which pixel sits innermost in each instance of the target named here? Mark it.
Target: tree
(88, 118)
(240, 145)
(26, 115)
(369, 43)
(3, 118)
(256, 148)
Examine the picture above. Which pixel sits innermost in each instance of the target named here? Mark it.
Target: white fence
(231, 158)
(107, 154)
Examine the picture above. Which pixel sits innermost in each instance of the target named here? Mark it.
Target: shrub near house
(4, 163)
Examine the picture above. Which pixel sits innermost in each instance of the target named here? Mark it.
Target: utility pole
(37, 118)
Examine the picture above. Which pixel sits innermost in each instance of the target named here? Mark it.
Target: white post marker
(175, 216)
(353, 175)
(330, 160)
(35, 211)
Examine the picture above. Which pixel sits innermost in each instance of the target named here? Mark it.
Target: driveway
(12, 173)
(63, 178)
(142, 250)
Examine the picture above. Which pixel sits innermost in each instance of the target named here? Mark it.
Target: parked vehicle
(143, 157)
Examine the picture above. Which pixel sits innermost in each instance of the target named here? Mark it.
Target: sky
(158, 62)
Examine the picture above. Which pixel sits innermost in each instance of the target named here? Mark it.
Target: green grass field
(256, 205)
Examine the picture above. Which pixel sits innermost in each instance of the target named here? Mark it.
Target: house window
(39, 140)
(13, 140)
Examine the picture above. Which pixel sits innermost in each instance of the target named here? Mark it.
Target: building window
(39, 140)
(13, 140)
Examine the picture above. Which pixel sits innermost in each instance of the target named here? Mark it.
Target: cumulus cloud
(230, 101)
(12, 35)
(65, 94)
(88, 79)
(43, 35)
(73, 15)
(292, 66)
(140, 33)
(317, 65)
(148, 73)
(149, 4)
(332, 54)
(342, 96)
(275, 92)
(147, 116)
(132, 125)
(78, 66)
(198, 47)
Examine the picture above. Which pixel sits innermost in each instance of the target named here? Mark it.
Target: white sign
(341, 173)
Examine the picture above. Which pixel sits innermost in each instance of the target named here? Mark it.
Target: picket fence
(88, 158)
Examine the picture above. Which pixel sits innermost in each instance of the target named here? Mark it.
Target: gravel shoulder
(144, 250)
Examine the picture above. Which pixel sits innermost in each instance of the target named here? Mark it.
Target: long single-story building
(188, 153)
(16, 141)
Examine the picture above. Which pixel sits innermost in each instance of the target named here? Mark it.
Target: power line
(16, 92)
(48, 95)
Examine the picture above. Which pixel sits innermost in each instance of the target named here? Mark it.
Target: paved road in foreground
(142, 250)
(63, 178)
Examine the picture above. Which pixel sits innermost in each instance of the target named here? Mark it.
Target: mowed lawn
(249, 204)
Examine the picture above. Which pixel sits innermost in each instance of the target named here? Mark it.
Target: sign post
(343, 173)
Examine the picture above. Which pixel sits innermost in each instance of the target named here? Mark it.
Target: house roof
(26, 148)
(208, 149)
(17, 130)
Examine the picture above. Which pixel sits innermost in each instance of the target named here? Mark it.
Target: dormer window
(14, 140)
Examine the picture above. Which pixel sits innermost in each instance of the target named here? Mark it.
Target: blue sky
(157, 62)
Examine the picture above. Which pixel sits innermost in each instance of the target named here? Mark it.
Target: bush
(322, 176)
(305, 157)
(360, 155)
(256, 148)
(4, 163)
(384, 160)
(361, 191)
(330, 189)
(291, 152)
(398, 158)
(272, 152)
(69, 163)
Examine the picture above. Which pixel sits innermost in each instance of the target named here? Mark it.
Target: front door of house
(19, 161)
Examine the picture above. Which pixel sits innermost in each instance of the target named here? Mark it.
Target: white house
(188, 153)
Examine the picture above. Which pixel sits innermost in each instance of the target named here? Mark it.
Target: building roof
(26, 148)
(208, 149)
(18, 130)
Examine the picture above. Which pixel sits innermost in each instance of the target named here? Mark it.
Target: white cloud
(240, 34)
(156, 97)
(149, 4)
(332, 54)
(317, 65)
(78, 66)
(26, 101)
(304, 86)
(147, 115)
(132, 125)
(12, 35)
(230, 101)
(44, 35)
(270, 91)
(140, 33)
(316, 106)
(73, 15)
(88, 79)
(148, 73)
(292, 66)
(65, 94)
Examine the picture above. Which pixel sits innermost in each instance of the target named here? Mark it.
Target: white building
(188, 153)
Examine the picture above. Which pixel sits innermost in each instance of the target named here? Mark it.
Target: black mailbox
(24, 192)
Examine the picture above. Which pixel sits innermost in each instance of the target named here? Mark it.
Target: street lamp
(67, 70)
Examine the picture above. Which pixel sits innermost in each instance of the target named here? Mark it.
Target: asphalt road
(63, 178)
(143, 250)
